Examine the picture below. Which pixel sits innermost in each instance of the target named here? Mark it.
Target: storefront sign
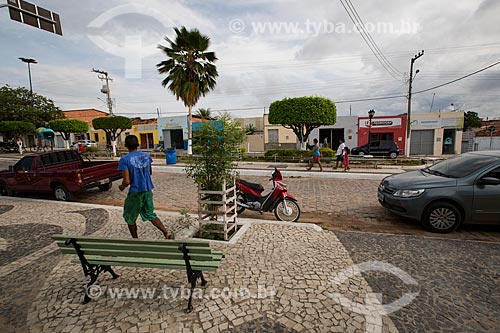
(380, 122)
(433, 123)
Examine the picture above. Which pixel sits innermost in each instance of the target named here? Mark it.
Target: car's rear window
(462, 165)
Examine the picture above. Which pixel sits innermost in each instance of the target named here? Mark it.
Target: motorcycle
(284, 205)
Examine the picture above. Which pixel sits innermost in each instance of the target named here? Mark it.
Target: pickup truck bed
(63, 173)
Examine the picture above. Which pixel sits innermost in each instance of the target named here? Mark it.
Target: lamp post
(371, 113)
(29, 61)
(491, 129)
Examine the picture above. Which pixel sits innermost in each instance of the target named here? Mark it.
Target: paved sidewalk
(288, 270)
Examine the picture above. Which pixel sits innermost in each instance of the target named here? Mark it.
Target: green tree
(250, 129)
(302, 115)
(68, 126)
(113, 126)
(216, 153)
(190, 69)
(17, 104)
(204, 113)
(472, 120)
(13, 129)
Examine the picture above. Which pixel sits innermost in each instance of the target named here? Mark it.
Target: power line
(460, 78)
(375, 53)
(371, 38)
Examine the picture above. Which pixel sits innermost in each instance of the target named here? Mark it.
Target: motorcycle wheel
(241, 198)
(287, 210)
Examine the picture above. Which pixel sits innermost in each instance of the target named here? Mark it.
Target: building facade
(383, 128)
(436, 133)
(345, 128)
(146, 131)
(277, 136)
(86, 115)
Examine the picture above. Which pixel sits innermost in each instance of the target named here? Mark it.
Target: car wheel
(105, 187)
(63, 194)
(393, 155)
(442, 217)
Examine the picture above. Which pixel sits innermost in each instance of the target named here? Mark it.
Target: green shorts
(139, 203)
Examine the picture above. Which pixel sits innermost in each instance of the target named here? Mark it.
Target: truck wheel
(5, 190)
(105, 187)
(441, 217)
(62, 194)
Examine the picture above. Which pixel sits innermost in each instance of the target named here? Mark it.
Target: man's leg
(157, 223)
(133, 230)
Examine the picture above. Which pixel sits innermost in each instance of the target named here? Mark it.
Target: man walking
(340, 153)
(136, 171)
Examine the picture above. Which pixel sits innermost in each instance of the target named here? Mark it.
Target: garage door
(422, 142)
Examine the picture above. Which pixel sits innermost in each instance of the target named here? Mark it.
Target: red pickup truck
(63, 173)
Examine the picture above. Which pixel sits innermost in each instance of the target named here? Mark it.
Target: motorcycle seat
(253, 186)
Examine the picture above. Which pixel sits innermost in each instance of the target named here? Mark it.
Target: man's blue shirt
(138, 165)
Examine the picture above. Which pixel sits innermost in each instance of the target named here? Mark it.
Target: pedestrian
(340, 153)
(316, 156)
(20, 145)
(136, 171)
(81, 148)
(76, 146)
(345, 161)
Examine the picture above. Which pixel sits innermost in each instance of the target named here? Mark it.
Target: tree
(20, 105)
(190, 69)
(68, 126)
(204, 113)
(302, 115)
(113, 126)
(472, 120)
(250, 129)
(216, 149)
(13, 129)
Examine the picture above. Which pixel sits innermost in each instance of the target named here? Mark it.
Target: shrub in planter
(91, 149)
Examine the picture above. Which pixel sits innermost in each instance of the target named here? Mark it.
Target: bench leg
(93, 279)
(190, 306)
(203, 281)
(110, 271)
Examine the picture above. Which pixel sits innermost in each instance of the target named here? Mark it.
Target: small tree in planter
(213, 165)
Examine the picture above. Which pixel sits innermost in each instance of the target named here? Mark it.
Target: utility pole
(408, 117)
(104, 77)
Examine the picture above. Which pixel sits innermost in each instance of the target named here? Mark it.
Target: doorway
(329, 137)
(449, 141)
(147, 141)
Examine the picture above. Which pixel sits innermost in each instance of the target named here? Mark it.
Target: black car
(378, 148)
(8, 147)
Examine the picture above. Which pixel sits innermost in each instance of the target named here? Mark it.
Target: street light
(29, 61)
(371, 113)
(491, 129)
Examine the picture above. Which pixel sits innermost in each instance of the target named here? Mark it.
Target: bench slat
(168, 247)
(143, 254)
(151, 263)
(144, 241)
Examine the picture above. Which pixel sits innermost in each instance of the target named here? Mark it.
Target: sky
(267, 50)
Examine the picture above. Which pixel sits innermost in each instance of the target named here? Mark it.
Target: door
(449, 141)
(422, 142)
(176, 139)
(486, 207)
(23, 175)
(144, 141)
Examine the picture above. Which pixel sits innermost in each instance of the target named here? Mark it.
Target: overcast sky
(267, 50)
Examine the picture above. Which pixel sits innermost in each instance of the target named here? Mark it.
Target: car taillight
(79, 178)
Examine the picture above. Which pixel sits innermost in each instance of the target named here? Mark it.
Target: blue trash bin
(171, 155)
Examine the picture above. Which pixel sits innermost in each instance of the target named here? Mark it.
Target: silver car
(462, 189)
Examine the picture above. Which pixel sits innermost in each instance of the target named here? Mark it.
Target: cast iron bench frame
(193, 256)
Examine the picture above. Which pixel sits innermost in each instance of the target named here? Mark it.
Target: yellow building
(146, 131)
(278, 137)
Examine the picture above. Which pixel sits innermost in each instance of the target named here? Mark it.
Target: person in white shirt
(340, 153)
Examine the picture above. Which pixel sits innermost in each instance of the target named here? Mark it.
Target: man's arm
(126, 180)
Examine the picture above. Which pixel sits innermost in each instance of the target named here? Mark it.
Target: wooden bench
(97, 254)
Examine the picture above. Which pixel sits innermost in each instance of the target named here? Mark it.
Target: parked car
(86, 143)
(462, 189)
(63, 173)
(9, 147)
(378, 148)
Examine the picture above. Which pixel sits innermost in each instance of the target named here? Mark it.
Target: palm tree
(190, 69)
(204, 113)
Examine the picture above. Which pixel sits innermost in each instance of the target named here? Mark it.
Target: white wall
(483, 143)
(350, 126)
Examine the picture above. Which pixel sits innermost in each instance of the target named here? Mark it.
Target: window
(24, 164)
(495, 173)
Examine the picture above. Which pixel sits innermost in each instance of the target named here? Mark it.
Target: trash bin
(171, 155)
